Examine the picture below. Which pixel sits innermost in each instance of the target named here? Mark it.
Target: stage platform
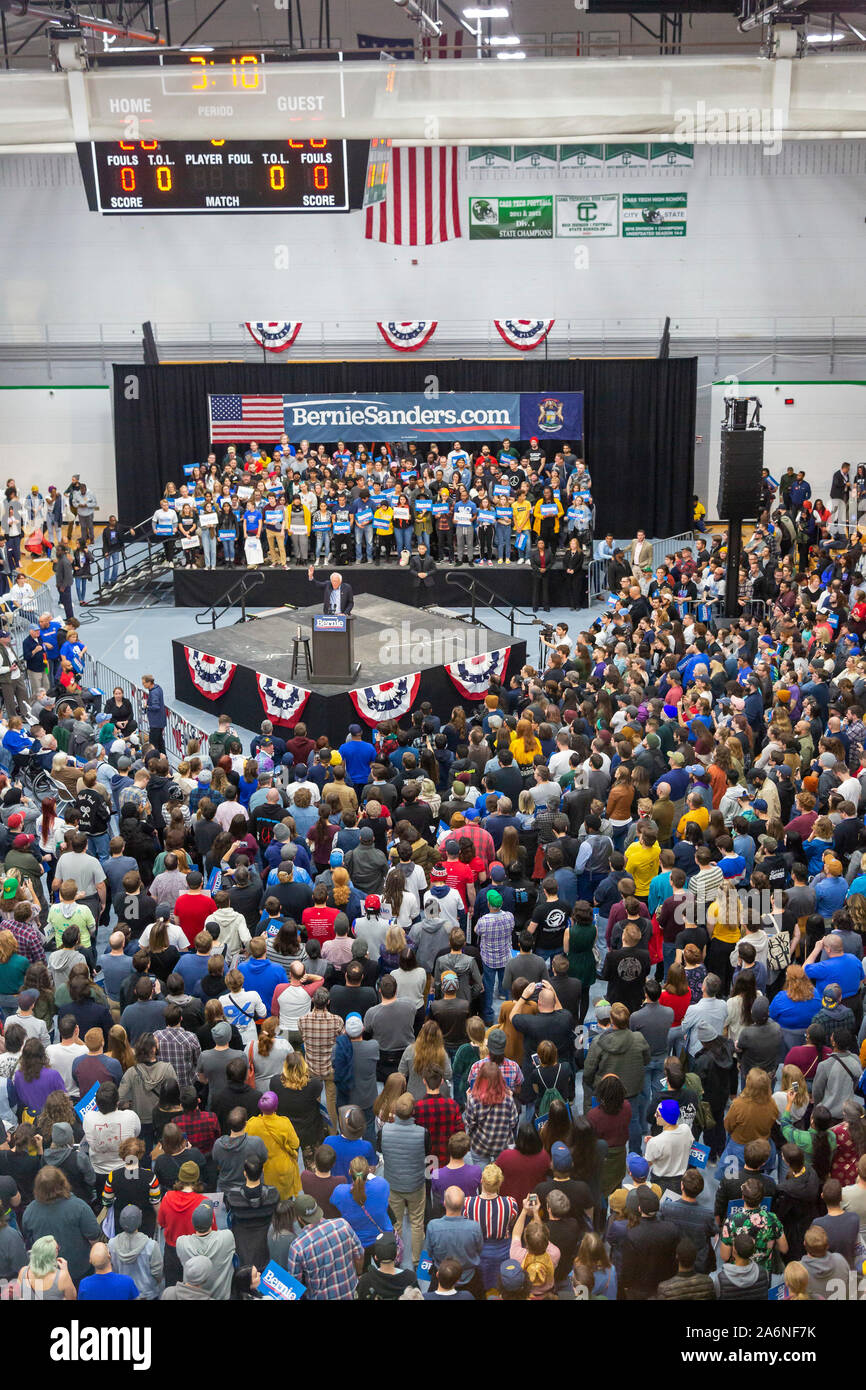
(200, 588)
(393, 642)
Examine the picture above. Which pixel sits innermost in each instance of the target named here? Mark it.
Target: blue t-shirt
(367, 1221)
(793, 1013)
(358, 757)
(346, 1150)
(116, 1288)
(845, 971)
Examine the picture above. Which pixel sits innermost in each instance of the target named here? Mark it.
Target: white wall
(48, 434)
(768, 236)
(825, 426)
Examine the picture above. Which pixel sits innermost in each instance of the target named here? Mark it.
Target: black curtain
(639, 421)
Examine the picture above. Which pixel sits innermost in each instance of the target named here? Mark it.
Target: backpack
(547, 1099)
(779, 951)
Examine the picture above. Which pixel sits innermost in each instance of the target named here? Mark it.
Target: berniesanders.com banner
(463, 417)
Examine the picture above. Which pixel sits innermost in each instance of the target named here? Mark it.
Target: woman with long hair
(740, 1004)
(511, 851)
(677, 994)
(577, 944)
(402, 901)
(850, 1143)
(383, 1105)
(495, 1215)
(794, 1007)
(411, 981)
(593, 1270)
(610, 1120)
(298, 1100)
(752, 1115)
(816, 1143)
(391, 949)
(34, 1079)
(428, 1050)
(58, 1110)
(119, 1048)
(792, 1094)
(321, 836)
(13, 968)
(363, 1202)
(50, 833)
(524, 745)
(269, 1052)
(285, 947)
(724, 915)
(490, 1116)
(472, 1051)
(163, 955)
(557, 1127)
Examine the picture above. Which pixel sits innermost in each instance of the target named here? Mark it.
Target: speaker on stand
(741, 467)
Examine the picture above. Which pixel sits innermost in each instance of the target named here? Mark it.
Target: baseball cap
(131, 1217)
(202, 1217)
(354, 1025)
(759, 805)
(676, 758)
(21, 842)
(494, 899)
(307, 1209)
(497, 874)
(637, 1165)
(372, 902)
(560, 1157)
(385, 1246)
(221, 1032)
(832, 995)
(164, 911)
(366, 835)
(336, 859)
(354, 728)
(647, 1202)
(511, 1276)
(27, 998)
(15, 821)
(602, 1010)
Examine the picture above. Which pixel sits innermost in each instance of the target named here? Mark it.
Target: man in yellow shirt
(695, 811)
(521, 510)
(642, 861)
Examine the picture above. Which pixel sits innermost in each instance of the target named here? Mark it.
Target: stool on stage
(301, 648)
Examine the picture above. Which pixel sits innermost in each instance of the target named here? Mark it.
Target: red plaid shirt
(441, 1118)
(201, 1127)
(482, 840)
(28, 936)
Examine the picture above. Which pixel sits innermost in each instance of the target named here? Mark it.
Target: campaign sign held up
(278, 1283)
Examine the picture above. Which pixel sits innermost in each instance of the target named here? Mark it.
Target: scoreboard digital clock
(163, 176)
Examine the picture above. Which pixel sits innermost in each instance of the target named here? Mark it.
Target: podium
(333, 648)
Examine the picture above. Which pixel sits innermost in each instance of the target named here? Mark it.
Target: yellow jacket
(292, 516)
(281, 1168)
(536, 512)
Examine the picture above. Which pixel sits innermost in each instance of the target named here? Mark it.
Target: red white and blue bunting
(283, 704)
(390, 700)
(408, 337)
(274, 337)
(472, 677)
(524, 334)
(211, 675)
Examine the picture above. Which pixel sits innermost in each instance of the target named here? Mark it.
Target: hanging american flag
(422, 206)
(242, 418)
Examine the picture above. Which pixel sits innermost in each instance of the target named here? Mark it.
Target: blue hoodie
(263, 976)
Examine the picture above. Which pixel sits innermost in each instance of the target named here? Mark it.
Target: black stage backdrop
(639, 421)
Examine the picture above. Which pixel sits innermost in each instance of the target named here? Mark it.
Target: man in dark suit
(337, 596)
(421, 567)
(840, 490)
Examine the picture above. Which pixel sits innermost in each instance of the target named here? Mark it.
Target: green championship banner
(654, 214)
(507, 219)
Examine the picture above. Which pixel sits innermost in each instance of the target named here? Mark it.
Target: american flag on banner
(441, 47)
(243, 418)
(422, 206)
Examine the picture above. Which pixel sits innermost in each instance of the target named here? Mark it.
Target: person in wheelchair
(19, 745)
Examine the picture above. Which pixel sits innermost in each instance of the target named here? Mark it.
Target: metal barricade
(178, 730)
